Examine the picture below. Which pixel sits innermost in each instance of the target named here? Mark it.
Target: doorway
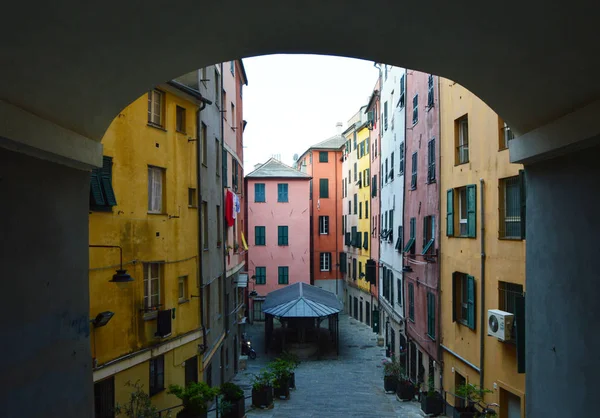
(510, 405)
(191, 370)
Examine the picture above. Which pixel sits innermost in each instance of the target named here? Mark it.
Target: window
(102, 195)
(232, 116)
(385, 116)
(354, 268)
(467, 206)
(182, 288)
(401, 169)
(224, 104)
(324, 225)
(151, 286)
(401, 100)
(207, 309)
(431, 161)
(180, 119)
(374, 186)
(234, 174)
(400, 240)
(360, 210)
(324, 188)
(283, 276)
(282, 235)
(411, 302)
(104, 398)
(365, 240)
(259, 235)
(204, 215)
(415, 115)
(367, 177)
(391, 173)
(204, 139)
(349, 207)
(430, 91)
(155, 189)
(399, 292)
(463, 289)
(512, 207)
(366, 209)
(506, 135)
(428, 235)
(282, 192)
(323, 156)
(217, 159)
(431, 315)
(507, 296)
(157, 374)
(355, 203)
(413, 180)
(219, 233)
(226, 157)
(325, 261)
(461, 129)
(355, 172)
(410, 246)
(217, 87)
(385, 172)
(259, 192)
(261, 275)
(155, 107)
(192, 203)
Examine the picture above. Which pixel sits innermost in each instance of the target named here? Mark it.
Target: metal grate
(510, 208)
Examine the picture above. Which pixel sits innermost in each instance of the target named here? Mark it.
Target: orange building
(323, 162)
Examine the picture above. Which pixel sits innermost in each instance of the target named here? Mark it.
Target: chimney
(339, 126)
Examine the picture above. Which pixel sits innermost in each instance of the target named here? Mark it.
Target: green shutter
(324, 188)
(471, 302)
(431, 315)
(97, 197)
(358, 239)
(450, 213)
(366, 240)
(471, 211)
(523, 194)
(106, 180)
(454, 299)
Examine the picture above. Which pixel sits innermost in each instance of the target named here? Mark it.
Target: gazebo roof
(301, 300)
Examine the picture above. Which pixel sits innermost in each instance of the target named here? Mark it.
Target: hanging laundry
(229, 209)
(236, 205)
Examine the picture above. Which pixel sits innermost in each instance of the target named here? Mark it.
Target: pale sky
(294, 101)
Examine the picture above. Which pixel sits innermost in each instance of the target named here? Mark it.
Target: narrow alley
(349, 386)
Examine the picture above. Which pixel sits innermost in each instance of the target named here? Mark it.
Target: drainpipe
(482, 303)
(337, 250)
(439, 236)
(224, 230)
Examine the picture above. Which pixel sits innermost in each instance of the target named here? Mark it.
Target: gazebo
(300, 308)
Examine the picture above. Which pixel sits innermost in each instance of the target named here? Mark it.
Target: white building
(392, 128)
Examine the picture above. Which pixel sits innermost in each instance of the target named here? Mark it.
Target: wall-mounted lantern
(102, 319)
(121, 275)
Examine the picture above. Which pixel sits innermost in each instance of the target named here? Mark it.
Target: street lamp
(121, 275)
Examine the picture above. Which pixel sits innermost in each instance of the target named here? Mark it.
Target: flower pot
(282, 388)
(262, 397)
(184, 413)
(406, 390)
(432, 404)
(293, 380)
(238, 409)
(390, 383)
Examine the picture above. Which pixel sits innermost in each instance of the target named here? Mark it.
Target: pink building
(278, 216)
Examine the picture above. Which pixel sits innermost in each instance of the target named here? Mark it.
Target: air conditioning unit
(500, 324)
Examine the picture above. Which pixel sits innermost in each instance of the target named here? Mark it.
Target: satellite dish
(295, 157)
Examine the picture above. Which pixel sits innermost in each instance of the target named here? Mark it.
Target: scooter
(247, 349)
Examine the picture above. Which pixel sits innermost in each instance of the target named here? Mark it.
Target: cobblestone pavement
(349, 386)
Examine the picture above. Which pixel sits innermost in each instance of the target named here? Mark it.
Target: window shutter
(454, 298)
(366, 240)
(471, 211)
(425, 240)
(523, 194)
(324, 188)
(471, 302)
(96, 189)
(106, 180)
(450, 213)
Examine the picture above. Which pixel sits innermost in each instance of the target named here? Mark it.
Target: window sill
(411, 320)
(105, 209)
(205, 250)
(192, 206)
(155, 126)
(511, 239)
(149, 316)
(430, 337)
(180, 132)
(502, 149)
(283, 245)
(432, 181)
(279, 201)
(459, 164)
(182, 301)
(156, 392)
(157, 213)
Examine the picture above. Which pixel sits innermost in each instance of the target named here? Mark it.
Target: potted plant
(139, 405)
(406, 390)
(471, 395)
(262, 389)
(195, 397)
(294, 362)
(282, 371)
(431, 401)
(232, 402)
(391, 374)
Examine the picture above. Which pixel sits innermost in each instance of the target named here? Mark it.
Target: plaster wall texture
(375, 157)
(295, 215)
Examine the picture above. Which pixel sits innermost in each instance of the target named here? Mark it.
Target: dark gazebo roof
(301, 300)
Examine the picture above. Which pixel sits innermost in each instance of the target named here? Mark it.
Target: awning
(242, 280)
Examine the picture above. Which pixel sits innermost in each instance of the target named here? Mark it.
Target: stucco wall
(271, 214)
(46, 363)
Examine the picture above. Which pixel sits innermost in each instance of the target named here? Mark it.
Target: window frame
(282, 235)
(180, 119)
(464, 309)
(156, 368)
(518, 182)
(257, 186)
(428, 235)
(147, 284)
(324, 188)
(192, 198)
(263, 236)
(462, 140)
(431, 177)
(411, 302)
(204, 139)
(182, 283)
(260, 275)
(283, 275)
(282, 193)
(324, 225)
(323, 156)
(414, 172)
(415, 115)
(325, 261)
(102, 193)
(152, 199)
(156, 96)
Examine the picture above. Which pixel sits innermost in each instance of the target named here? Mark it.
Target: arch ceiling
(78, 64)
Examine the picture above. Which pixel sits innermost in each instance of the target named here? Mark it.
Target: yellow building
(144, 200)
(364, 198)
(479, 183)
